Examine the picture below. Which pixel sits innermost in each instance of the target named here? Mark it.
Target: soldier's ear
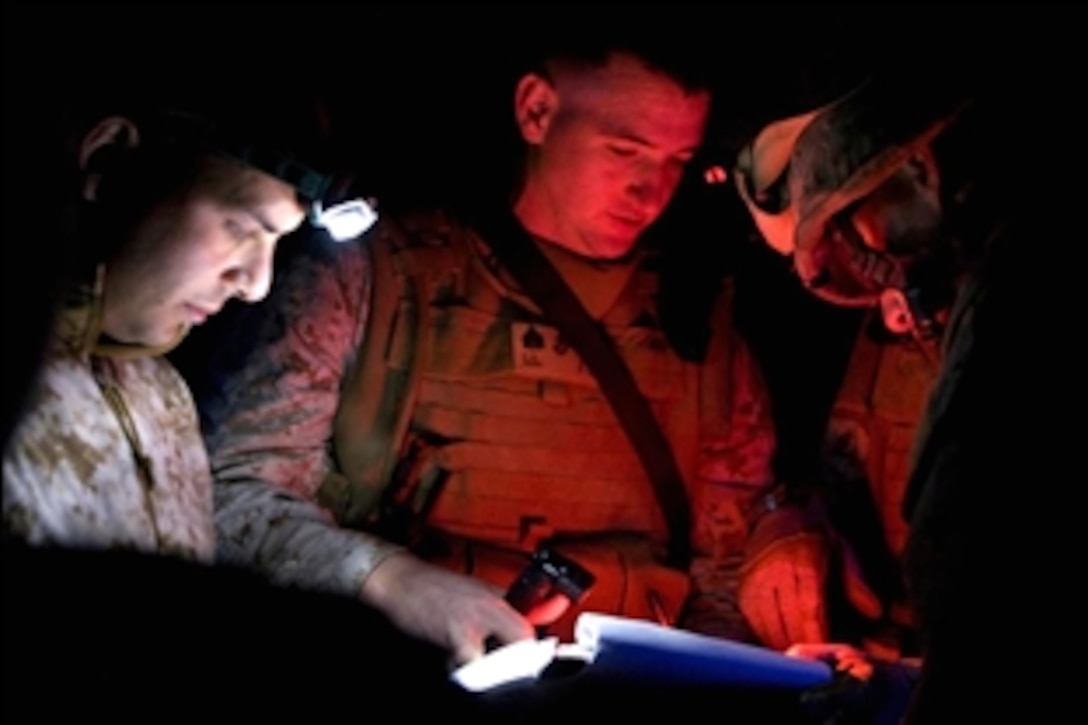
(922, 166)
(535, 104)
(102, 150)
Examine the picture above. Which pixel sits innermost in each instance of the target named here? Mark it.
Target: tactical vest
(486, 425)
(874, 421)
(868, 452)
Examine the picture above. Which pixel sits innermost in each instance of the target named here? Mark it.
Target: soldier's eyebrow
(620, 133)
(242, 196)
(263, 220)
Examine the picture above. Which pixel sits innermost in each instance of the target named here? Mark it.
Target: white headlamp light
(346, 220)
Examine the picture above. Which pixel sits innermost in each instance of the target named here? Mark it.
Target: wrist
(382, 584)
(781, 519)
(800, 503)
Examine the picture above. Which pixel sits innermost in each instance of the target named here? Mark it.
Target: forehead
(236, 184)
(624, 96)
(245, 188)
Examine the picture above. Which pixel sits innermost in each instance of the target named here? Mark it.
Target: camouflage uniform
(986, 560)
(507, 440)
(867, 452)
(874, 418)
(108, 453)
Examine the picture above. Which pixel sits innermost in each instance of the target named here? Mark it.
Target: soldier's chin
(612, 247)
(166, 337)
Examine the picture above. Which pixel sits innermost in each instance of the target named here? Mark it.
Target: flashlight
(548, 574)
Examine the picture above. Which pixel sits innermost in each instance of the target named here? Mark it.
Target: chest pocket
(468, 344)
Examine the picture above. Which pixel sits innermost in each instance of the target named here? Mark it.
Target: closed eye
(238, 232)
(622, 151)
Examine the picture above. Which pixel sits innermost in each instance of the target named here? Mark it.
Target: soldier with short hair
(179, 199)
(415, 387)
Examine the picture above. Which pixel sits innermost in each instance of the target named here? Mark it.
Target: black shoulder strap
(519, 255)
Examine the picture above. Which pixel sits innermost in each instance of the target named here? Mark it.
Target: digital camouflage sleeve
(269, 422)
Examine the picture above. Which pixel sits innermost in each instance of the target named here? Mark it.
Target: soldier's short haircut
(672, 43)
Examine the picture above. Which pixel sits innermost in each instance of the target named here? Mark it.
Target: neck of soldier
(536, 210)
(596, 282)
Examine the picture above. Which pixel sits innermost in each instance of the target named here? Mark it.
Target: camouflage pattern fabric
(270, 427)
(108, 453)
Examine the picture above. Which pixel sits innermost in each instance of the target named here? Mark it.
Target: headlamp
(344, 221)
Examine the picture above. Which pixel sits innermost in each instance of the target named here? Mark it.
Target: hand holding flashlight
(547, 587)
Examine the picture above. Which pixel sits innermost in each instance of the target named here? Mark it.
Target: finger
(776, 606)
(466, 650)
(768, 628)
(860, 668)
(800, 599)
(509, 626)
(842, 657)
(759, 606)
(811, 626)
(827, 649)
(549, 610)
(807, 651)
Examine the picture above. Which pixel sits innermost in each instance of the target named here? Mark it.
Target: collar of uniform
(597, 284)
